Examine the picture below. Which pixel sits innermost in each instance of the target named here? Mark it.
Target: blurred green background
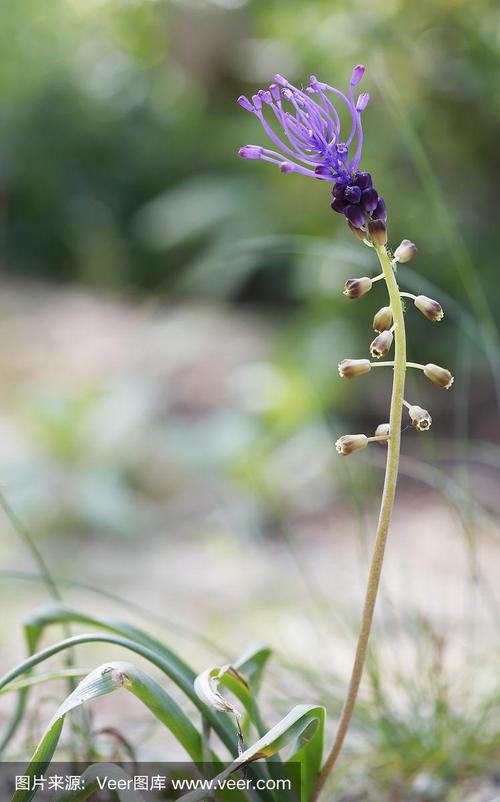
(172, 319)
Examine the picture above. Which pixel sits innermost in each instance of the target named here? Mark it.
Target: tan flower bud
(360, 233)
(356, 287)
(431, 309)
(383, 319)
(439, 376)
(381, 345)
(350, 368)
(351, 442)
(383, 430)
(405, 251)
(378, 231)
(420, 418)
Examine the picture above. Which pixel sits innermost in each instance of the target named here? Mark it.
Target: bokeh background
(171, 319)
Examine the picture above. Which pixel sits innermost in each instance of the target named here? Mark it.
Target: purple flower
(310, 141)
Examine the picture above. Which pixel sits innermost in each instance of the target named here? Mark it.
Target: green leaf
(137, 640)
(304, 727)
(103, 680)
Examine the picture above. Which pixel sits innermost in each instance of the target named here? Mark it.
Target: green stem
(387, 503)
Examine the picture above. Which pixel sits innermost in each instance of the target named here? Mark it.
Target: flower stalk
(313, 143)
(387, 503)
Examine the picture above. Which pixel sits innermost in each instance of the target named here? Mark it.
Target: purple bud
(380, 211)
(322, 171)
(278, 79)
(355, 215)
(287, 167)
(364, 180)
(275, 92)
(353, 194)
(245, 103)
(338, 204)
(369, 199)
(251, 152)
(338, 190)
(257, 102)
(357, 74)
(265, 96)
(362, 101)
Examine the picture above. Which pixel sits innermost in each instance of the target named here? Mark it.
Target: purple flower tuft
(310, 141)
(304, 127)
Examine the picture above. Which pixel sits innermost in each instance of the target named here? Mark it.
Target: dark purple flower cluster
(358, 200)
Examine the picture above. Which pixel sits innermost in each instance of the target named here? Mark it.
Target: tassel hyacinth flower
(312, 143)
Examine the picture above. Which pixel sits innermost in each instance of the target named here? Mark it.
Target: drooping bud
(351, 442)
(378, 231)
(350, 368)
(405, 251)
(359, 233)
(355, 215)
(383, 319)
(352, 193)
(431, 309)
(357, 74)
(420, 418)
(440, 376)
(383, 430)
(356, 287)
(369, 199)
(363, 180)
(381, 345)
(380, 213)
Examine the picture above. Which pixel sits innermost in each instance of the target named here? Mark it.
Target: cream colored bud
(350, 368)
(420, 418)
(431, 309)
(383, 430)
(356, 287)
(439, 376)
(381, 345)
(378, 231)
(405, 251)
(351, 442)
(383, 319)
